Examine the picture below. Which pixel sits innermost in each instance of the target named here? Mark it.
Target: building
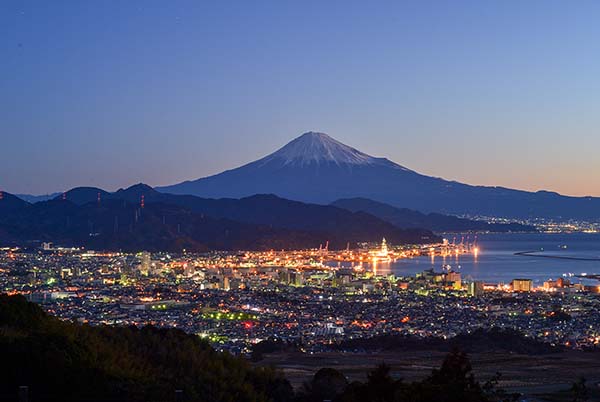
(476, 288)
(145, 263)
(383, 254)
(522, 285)
(550, 285)
(284, 276)
(296, 278)
(453, 279)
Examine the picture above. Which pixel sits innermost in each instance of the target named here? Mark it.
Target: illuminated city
(310, 201)
(318, 296)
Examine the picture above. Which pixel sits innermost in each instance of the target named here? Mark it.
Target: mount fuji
(319, 169)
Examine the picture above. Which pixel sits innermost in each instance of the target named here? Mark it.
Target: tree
(452, 382)
(326, 384)
(579, 390)
(382, 386)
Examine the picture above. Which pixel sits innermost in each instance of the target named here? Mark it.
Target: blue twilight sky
(110, 93)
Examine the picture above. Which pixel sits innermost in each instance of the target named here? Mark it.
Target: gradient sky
(111, 93)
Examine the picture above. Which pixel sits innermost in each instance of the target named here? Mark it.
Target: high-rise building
(476, 288)
(145, 263)
(296, 278)
(284, 276)
(522, 285)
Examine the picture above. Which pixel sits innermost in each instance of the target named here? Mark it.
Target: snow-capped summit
(319, 148)
(313, 147)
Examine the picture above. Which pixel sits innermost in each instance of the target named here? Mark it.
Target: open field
(539, 376)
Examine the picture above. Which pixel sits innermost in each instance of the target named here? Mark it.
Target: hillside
(63, 361)
(408, 218)
(10, 203)
(119, 225)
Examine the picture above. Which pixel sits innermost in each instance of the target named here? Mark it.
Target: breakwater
(535, 253)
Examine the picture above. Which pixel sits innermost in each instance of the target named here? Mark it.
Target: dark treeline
(63, 361)
(494, 339)
(480, 340)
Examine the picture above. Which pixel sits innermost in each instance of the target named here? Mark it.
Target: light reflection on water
(496, 261)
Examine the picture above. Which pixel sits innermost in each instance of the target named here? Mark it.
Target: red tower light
(142, 202)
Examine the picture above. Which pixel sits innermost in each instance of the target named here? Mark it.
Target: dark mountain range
(408, 218)
(101, 220)
(316, 168)
(83, 195)
(120, 225)
(263, 209)
(10, 203)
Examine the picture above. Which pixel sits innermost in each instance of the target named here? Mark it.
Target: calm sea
(497, 262)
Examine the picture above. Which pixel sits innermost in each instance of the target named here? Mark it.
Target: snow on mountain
(316, 148)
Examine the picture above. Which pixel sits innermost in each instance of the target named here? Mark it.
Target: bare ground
(540, 375)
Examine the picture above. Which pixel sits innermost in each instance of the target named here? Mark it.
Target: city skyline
(496, 94)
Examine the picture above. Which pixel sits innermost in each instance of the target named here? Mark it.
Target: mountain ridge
(294, 172)
(139, 218)
(408, 218)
